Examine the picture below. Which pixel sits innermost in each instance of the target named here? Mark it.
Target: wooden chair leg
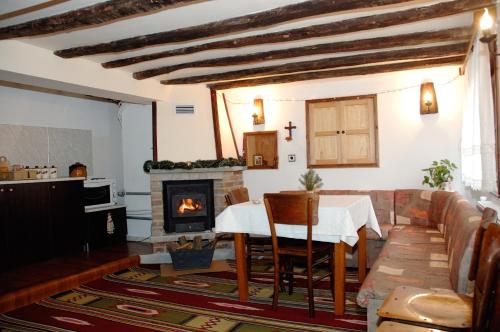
(277, 272)
(290, 276)
(310, 291)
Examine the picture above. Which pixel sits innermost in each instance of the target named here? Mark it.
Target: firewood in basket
(182, 240)
(186, 246)
(197, 242)
(172, 246)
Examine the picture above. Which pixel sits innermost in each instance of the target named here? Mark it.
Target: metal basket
(185, 259)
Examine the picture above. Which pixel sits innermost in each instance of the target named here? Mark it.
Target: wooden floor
(31, 283)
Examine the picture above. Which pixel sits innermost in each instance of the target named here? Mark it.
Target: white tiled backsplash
(30, 146)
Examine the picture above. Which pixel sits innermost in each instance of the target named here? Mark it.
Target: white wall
(408, 141)
(22, 107)
(186, 137)
(137, 148)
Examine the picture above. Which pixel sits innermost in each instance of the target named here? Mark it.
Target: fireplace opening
(188, 205)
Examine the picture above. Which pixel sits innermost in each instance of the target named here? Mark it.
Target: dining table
(342, 220)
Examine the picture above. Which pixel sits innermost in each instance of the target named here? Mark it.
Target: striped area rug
(139, 299)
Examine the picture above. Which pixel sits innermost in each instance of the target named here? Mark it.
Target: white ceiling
(205, 12)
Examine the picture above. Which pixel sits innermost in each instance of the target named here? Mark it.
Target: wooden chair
(452, 311)
(257, 246)
(296, 209)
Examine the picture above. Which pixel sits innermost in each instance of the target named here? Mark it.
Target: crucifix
(289, 128)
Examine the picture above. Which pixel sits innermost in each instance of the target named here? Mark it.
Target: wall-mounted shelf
(260, 149)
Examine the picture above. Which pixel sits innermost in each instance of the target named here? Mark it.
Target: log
(231, 25)
(329, 63)
(323, 30)
(411, 39)
(456, 60)
(89, 17)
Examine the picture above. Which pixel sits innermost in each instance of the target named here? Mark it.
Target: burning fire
(189, 205)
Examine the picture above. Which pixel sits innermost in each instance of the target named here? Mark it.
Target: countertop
(42, 180)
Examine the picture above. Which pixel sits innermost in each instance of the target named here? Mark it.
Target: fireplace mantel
(225, 179)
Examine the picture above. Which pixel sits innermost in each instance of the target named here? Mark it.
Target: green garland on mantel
(215, 163)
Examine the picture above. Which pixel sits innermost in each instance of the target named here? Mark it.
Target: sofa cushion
(384, 230)
(410, 234)
(418, 251)
(388, 273)
(440, 201)
(412, 206)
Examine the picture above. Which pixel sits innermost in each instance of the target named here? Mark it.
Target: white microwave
(99, 193)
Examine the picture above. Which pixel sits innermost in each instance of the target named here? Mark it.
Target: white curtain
(478, 131)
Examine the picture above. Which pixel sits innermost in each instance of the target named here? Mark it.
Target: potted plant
(439, 175)
(310, 180)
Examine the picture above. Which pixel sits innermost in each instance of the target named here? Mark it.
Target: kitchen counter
(41, 180)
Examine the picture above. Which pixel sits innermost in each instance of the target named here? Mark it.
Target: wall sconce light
(486, 25)
(258, 114)
(428, 100)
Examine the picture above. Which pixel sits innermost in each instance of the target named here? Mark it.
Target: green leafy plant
(439, 173)
(310, 180)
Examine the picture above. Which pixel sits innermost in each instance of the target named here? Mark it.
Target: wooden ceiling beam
(328, 63)
(88, 17)
(456, 60)
(411, 39)
(330, 29)
(231, 25)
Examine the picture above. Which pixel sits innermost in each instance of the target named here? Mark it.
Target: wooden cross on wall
(289, 128)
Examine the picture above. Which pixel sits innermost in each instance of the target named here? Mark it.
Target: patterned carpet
(139, 299)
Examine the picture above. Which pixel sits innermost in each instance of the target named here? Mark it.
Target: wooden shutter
(342, 132)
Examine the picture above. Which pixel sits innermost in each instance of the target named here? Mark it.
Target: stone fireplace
(188, 192)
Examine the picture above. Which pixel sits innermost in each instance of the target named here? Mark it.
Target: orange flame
(189, 205)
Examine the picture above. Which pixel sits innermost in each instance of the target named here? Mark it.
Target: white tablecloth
(340, 217)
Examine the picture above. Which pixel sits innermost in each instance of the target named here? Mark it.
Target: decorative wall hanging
(290, 128)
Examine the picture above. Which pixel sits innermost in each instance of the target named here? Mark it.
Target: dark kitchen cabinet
(3, 228)
(106, 227)
(67, 216)
(40, 220)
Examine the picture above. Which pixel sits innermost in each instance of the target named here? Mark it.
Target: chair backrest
(289, 209)
(236, 196)
(485, 305)
(489, 216)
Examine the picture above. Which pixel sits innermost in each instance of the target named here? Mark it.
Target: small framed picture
(257, 160)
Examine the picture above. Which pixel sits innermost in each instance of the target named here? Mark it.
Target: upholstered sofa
(427, 241)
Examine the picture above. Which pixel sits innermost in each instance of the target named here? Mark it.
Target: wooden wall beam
(230, 25)
(323, 30)
(329, 63)
(456, 60)
(87, 17)
(231, 126)
(215, 119)
(411, 39)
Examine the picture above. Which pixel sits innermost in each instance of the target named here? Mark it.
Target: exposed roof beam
(30, 9)
(417, 38)
(95, 15)
(456, 60)
(329, 63)
(336, 28)
(231, 25)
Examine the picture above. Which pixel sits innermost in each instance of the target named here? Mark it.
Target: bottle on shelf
(53, 172)
(45, 172)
